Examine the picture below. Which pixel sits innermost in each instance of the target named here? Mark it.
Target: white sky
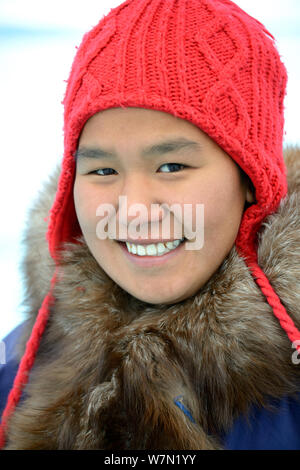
(33, 70)
(78, 14)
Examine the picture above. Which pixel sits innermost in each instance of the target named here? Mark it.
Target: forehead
(145, 133)
(136, 120)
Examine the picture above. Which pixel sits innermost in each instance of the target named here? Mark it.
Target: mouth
(152, 254)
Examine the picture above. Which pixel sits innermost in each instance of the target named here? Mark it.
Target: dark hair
(250, 185)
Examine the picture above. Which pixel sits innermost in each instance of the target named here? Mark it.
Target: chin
(159, 299)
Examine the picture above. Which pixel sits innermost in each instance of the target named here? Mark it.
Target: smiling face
(152, 157)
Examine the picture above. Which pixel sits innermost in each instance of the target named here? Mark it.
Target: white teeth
(161, 248)
(157, 249)
(151, 250)
(170, 245)
(141, 250)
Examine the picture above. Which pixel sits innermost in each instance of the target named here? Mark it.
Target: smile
(154, 254)
(155, 249)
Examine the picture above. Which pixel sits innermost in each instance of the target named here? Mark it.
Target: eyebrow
(160, 148)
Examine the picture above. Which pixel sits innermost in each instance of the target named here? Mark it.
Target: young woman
(165, 314)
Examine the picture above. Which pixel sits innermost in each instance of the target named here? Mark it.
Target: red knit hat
(205, 61)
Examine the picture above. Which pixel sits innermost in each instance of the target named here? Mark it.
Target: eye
(104, 170)
(175, 167)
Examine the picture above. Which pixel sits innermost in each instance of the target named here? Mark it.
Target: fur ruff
(109, 366)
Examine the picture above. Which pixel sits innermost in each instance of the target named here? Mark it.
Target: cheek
(223, 201)
(223, 214)
(86, 204)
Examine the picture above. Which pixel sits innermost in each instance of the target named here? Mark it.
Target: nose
(139, 207)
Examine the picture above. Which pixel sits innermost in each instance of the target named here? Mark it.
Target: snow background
(37, 47)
